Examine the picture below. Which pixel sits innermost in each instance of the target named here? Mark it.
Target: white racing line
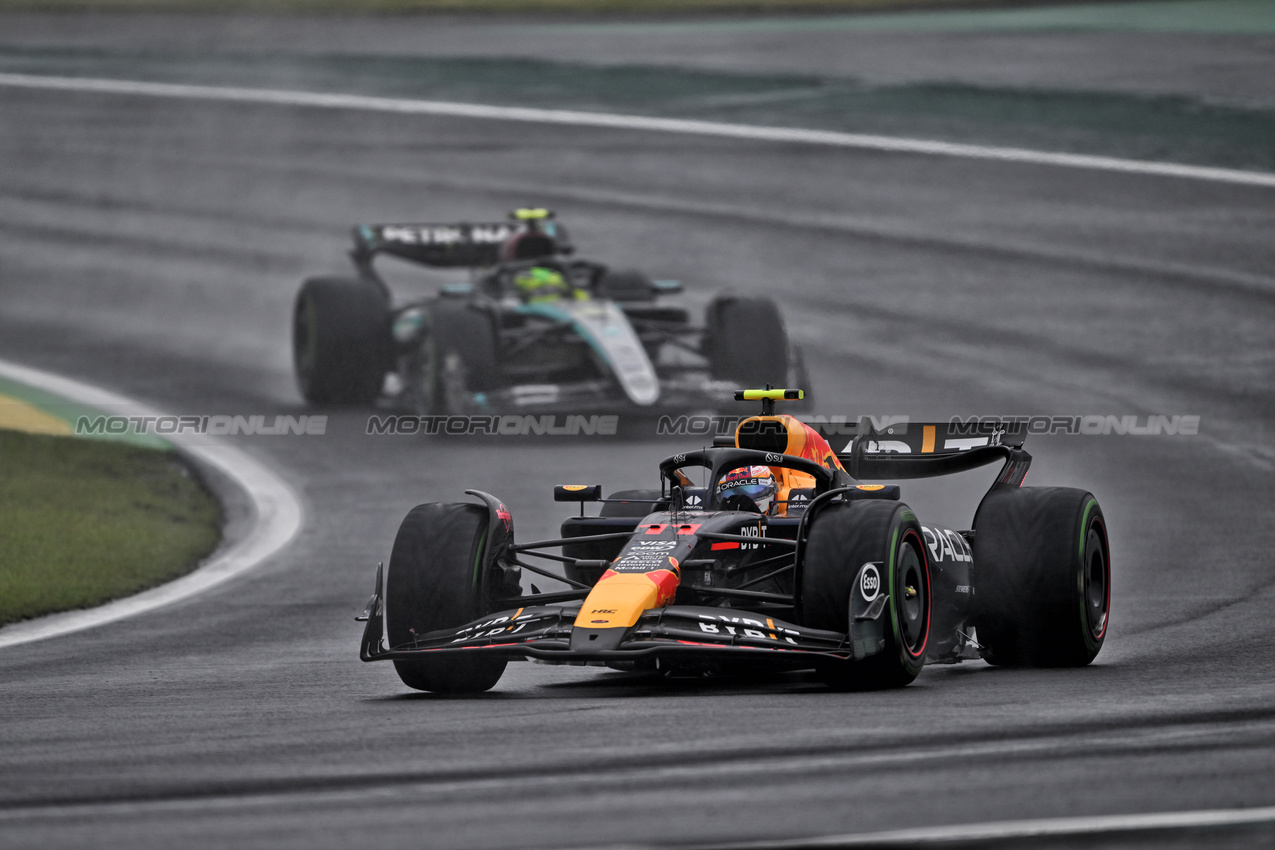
(276, 516)
(825, 138)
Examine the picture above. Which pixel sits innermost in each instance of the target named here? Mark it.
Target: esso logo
(870, 583)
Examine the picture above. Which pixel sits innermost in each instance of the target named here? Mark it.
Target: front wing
(678, 392)
(544, 633)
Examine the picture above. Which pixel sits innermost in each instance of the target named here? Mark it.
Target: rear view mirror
(577, 493)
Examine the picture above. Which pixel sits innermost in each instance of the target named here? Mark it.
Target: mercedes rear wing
(458, 245)
(928, 449)
(441, 245)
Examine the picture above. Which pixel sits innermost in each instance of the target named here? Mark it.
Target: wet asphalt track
(155, 247)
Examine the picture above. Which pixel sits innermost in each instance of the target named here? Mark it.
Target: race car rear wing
(460, 245)
(925, 450)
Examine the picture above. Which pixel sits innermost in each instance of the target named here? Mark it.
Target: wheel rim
(451, 385)
(426, 379)
(1097, 580)
(913, 597)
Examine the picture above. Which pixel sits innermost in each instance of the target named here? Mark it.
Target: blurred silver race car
(534, 328)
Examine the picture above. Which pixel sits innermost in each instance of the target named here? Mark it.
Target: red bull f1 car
(533, 328)
(764, 550)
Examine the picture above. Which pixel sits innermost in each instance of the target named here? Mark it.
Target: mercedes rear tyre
(435, 582)
(626, 286)
(745, 341)
(340, 341)
(1042, 571)
(844, 537)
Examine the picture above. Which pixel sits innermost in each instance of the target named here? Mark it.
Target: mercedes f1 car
(533, 328)
(765, 549)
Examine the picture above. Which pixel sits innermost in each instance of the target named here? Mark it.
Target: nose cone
(615, 604)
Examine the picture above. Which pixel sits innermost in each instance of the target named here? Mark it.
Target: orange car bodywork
(804, 442)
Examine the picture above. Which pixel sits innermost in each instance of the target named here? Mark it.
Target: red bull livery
(766, 550)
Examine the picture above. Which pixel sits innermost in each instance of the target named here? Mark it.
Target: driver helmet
(540, 284)
(755, 483)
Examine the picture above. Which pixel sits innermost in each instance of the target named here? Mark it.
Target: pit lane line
(827, 138)
(276, 515)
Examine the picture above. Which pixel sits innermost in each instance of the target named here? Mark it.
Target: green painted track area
(87, 521)
(1170, 128)
(27, 408)
(1198, 16)
(1239, 17)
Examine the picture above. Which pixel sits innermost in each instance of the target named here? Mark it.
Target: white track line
(1017, 830)
(277, 516)
(826, 138)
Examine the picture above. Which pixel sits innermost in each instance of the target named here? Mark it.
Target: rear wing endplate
(928, 449)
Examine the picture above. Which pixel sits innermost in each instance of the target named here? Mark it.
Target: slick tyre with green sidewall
(434, 582)
(340, 341)
(844, 537)
(1042, 572)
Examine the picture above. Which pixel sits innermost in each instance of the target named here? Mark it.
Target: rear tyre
(626, 286)
(745, 341)
(842, 539)
(645, 502)
(459, 358)
(340, 341)
(1042, 576)
(435, 582)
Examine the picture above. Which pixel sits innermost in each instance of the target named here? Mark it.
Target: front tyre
(434, 582)
(844, 537)
(459, 358)
(1042, 577)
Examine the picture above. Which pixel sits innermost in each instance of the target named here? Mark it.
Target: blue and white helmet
(755, 483)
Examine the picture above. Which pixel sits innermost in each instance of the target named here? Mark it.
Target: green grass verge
(85, 521)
